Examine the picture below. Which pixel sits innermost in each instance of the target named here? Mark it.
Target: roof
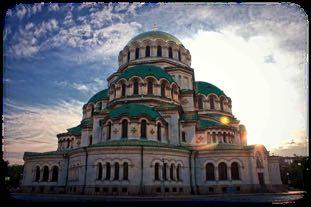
(134, 111)
(144, 71)
(207, 88)
(87, 122)
(99, 96)
(155, 35)
(207, 123)
(75, 130)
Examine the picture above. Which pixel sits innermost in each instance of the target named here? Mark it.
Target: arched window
(125, 171)
(183, 136)
(123, 89)
(210, 175)
(222, 171)
(116, 171)
(200, 102)
(109, 131)
(221, 104)
(128, 56)
(179, 56)
(178, 171)
(211, 102)
(124, 128)
(235, 171)
(45, 173)
(37, 178)
(136, 53)
(214, 137)
(99, 171)
(225, 137)
(108, 171)
(68, 143)
(135, 87)
(164, 171)
(159, 51)
(170, 52)
(143, 129)
(150, 87)
(156, 171)
(90, 140)
(172, 172)
(159, 131)
(147, 51)
(163, 89)
(54, 174)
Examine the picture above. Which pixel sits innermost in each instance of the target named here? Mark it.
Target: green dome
(144, 71)
(134, 111)
(99, 96)
(155, 35)
(207, 88)
(75, 130)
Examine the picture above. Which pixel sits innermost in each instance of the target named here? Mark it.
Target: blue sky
(56, 56)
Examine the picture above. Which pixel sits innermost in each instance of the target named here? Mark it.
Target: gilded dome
(155, 35)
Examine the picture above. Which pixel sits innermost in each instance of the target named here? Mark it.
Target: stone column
(229, 173)
(104, 172)
(121, 172)
(216, 173)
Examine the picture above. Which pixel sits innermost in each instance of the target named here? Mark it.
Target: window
(135, 85)
(156, 171)
(116, 171)
(99, 171)
(147, 51)
(211, 102)
(45, 173)
(109, 131)
(162, 89)
(225, 138)
(124, 128)
(179, 56)
(183, 136)
(108, 171)
(159, 51)
(178, 172)
(123, 89)
(261, 179)
(214, 137)
(222, 171)
(159, 131)
(164, 171)
(172, 172)
(37, 173)
(90, 140)
(221, 104)
(210, 175)
(136, 53)
(143, 130)
(235, 171)
(54, 174)
(200, 102)
(125, 171)
(170, 52)
(259, 162)
(68, 143)
(128, 56)
(150, 87)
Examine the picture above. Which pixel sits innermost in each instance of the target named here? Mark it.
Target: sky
(56, 56)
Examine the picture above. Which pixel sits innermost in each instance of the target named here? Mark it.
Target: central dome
(155, 35)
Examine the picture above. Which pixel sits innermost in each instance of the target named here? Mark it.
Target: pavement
(262, 199)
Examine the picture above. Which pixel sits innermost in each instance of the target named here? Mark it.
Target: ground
(264, 199)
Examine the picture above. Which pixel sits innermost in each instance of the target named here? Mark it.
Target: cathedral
(154, 130)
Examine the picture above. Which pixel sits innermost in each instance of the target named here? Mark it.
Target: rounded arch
(235, 171)
(222, 171)
(210, 171)
(46, 172)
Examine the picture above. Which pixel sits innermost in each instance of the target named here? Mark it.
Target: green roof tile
(134, 111)
(208, 123)
(207, 88)
(144, 71)
(155, 35)
(87, 122)
(75, 130)
(189, 116)
(99, 96)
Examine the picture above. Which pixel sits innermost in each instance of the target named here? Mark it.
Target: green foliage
(15, 175)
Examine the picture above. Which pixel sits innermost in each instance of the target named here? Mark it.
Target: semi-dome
(99, 96)
(207, 88)
(155, 35)
(143, 71)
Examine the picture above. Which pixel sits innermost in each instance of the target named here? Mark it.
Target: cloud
(21, 11)
(34, 128)
(53, 7)
(90, 87)
(269, 59)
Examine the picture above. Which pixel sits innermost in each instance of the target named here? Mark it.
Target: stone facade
(154, 130)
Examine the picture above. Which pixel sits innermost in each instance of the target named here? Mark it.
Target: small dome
(144, 71)
(155, 35)
(99, 96)
(134, 111)
(207, 88)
